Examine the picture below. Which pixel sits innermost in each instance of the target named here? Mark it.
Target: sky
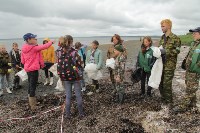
(85, 18)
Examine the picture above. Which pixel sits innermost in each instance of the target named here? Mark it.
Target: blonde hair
(167, 21)
(2, 46)
(15, 44)
(148, 39)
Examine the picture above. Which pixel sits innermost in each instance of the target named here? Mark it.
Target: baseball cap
(195, 30)
(46, 39)
(29, 36)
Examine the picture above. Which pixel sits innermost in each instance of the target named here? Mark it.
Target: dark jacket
(15, 58)
(4, 63)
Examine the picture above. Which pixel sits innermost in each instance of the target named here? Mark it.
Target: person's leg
(47, 80)
(9, 83)
(121, 92)
(1, 84)
(167, 86)
(143, 81)
(33, 78)
(149, 88)
(192, 85)
(77, 88)
(51, 78)
(112, 78)
(68, 88)
(161, 86)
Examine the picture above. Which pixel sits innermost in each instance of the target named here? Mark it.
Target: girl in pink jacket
(32, 59)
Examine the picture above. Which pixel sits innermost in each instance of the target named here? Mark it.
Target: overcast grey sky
(54, 18)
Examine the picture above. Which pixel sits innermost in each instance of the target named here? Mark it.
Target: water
(85, 40)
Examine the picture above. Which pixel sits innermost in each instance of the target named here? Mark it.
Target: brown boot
(32, 102)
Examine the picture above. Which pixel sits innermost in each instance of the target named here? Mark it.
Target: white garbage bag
(60, 85)
(110, 63)
(92, 72)
(53, 69)
(22, 74)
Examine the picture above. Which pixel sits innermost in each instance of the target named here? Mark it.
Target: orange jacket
(49, 55)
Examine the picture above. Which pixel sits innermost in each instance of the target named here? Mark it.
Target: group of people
(72, 59)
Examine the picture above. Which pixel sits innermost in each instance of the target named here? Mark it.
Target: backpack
(68, 68)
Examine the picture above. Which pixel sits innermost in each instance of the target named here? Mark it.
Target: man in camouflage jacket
(192, 73)
(171, 44)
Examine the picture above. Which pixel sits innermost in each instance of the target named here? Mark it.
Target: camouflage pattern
(4, 60)
(191, 81)
(119, 72)
(172, 45)
(110, 54)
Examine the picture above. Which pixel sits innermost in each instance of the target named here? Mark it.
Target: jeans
(2, 81)
(32, 80)
(77, 89)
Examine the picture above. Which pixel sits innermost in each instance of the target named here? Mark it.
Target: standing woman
(49, 59)
(116, 40)
(68, 63)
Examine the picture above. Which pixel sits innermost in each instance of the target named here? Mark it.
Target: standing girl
(31, 57)
(49, 58)
(146, 61)
(94, 55)
(69, 63)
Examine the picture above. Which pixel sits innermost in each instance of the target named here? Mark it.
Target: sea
(84, 40)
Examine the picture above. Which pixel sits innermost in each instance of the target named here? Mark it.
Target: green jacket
(97, 57)
(172, 47)
(4, 60)
(193, 58)
(146, 60)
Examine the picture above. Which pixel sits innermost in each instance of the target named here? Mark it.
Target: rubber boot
(121, 98)
(8, 90)
(149, 91)
(32, 102)
(51, 81)
(47, 81)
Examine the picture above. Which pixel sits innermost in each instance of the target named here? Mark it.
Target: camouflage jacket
(110, 52)
(120, 66)
(171, 44)
(194, 51)
(4, 60)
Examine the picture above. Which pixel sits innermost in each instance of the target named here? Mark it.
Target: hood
(27, 48)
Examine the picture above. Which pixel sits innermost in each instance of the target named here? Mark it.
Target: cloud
(95, 18)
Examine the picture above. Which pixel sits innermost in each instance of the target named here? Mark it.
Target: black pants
(144, 78)
(32, 80)
(46, 69)
(96, 83)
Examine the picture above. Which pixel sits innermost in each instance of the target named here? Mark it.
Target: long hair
(120, 41)
(68, 40)
(148, 39)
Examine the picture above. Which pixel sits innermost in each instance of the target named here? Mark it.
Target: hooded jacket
(31, 56)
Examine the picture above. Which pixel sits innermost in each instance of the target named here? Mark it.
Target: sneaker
(83, 89)
(8, 90)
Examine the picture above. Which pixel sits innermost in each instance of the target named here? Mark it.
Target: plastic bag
(22, 74)
(92, 72)
(53, 69)
(110, 63)
(60, 85)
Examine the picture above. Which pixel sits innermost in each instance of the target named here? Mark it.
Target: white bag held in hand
(92, 72)
(22, 74)
(53, 69)
(110, 63)
(60, 86)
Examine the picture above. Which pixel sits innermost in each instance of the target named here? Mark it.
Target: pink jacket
(31, 56)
